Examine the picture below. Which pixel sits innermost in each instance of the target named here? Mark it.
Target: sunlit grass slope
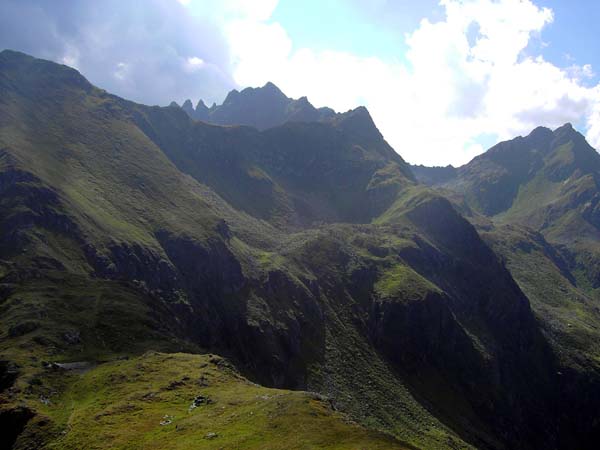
(182, 401)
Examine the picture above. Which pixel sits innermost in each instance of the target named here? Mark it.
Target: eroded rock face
(209, 266)
(131, 262)
(285, 327)
(27, 203)
(591, 209)
(423, 333)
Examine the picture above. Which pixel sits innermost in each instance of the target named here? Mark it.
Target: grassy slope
(120, 405)
(91, 151)
(71, 317)
(571, 318)
(402, 282)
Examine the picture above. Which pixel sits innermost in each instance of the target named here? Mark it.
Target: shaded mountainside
(295, 174)
(261, 108)
(306, 254)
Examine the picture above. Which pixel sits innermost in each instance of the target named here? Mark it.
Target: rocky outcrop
(133, 262)
(27, 203)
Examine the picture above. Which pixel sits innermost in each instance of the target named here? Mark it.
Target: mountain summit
(261, 108)
(496, 181)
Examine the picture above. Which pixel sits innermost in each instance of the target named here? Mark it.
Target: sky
(443, 80)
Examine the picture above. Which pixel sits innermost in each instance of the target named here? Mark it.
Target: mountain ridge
(263, 107)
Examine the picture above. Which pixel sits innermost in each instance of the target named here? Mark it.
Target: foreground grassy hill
(182, 401)
(306, 254)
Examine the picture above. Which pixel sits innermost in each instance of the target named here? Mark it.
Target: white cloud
(258, 48)
(224, 10)
(581, 73)
(193, 64)
(464, 76)
(593, 132)
(121, 71)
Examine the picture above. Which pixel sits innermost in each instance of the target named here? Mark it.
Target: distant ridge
(261, 108)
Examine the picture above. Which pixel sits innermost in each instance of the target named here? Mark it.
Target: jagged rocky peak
(268, 93)
(188, 107)
(566, 132)
(543, 133)
(272, 89)
(198, 113)
(231, 96)
(360, 112)
(201, 106)
(260, 107)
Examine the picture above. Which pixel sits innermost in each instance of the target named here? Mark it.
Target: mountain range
(264, 274)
